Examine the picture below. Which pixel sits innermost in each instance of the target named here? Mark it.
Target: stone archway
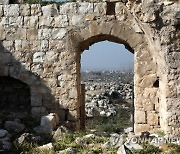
(144, 68)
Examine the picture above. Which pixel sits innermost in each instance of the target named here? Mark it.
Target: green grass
(147, 149)
(171, 148)
(69, 141)
(23, 148)
(160, 133)
(110, 124)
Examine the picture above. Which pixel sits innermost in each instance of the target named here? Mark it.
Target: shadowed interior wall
(14, 96)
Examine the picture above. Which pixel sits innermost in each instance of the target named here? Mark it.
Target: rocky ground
(21, 136)
(101, 98)
(109, 95)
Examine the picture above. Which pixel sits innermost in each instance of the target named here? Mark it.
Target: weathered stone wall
(42, 45)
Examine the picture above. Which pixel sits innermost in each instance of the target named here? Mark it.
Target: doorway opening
(107, 72)
(15, 96)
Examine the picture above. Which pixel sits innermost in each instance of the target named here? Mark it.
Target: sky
(107, 56)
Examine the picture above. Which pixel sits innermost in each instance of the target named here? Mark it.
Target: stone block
(136, 26)
(21, 34)
(44, 45)
(38, 57)
(85, 33)
(140, 117)
(48, 122)
(135, 40)
(171, 91)
(56, 118)
(68, 8)
(148, 105)
(48, 147)
(1, 10)
(150, 93)
(100, 8)
(5, 2)
(122, 31)
(25, 10)
(90, 17)
(148, 80)
(152, 118)
(73, 115)
(67, 104)
(2, 34)
(77, 20)
(73, 92)
(138, 128)
(11, 10)
(85, 8)
(16, 22)
(120, 8)
(31, 21)
(18, 45)
(58, 33)
(3, 133)
(56, 45)
(106, 28)
(34, 44)
(50, 10)
(44, 34)
(4, 23)
(8, 45)
(14, 126)
(15, 34)
(143, 54)
(46, 22)
(36, 10)
(38, 111)
(51, 56)
(32, 34)
(61, 21)
(25, 45)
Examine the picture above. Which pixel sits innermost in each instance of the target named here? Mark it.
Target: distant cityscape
(123, 69)
(108, 76)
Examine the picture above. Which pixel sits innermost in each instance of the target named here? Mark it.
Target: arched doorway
(107, 72)
(145, 69)
(83, 46)
(14, 96)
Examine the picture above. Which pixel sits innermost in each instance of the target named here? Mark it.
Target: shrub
(148, 149)
(160, 133)
(110, 124)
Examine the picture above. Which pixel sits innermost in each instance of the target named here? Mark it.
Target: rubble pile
(101, 98)
(105, 90)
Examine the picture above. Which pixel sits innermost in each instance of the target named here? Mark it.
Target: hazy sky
(107, 56)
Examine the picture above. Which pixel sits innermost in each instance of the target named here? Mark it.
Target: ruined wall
(42, 45)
